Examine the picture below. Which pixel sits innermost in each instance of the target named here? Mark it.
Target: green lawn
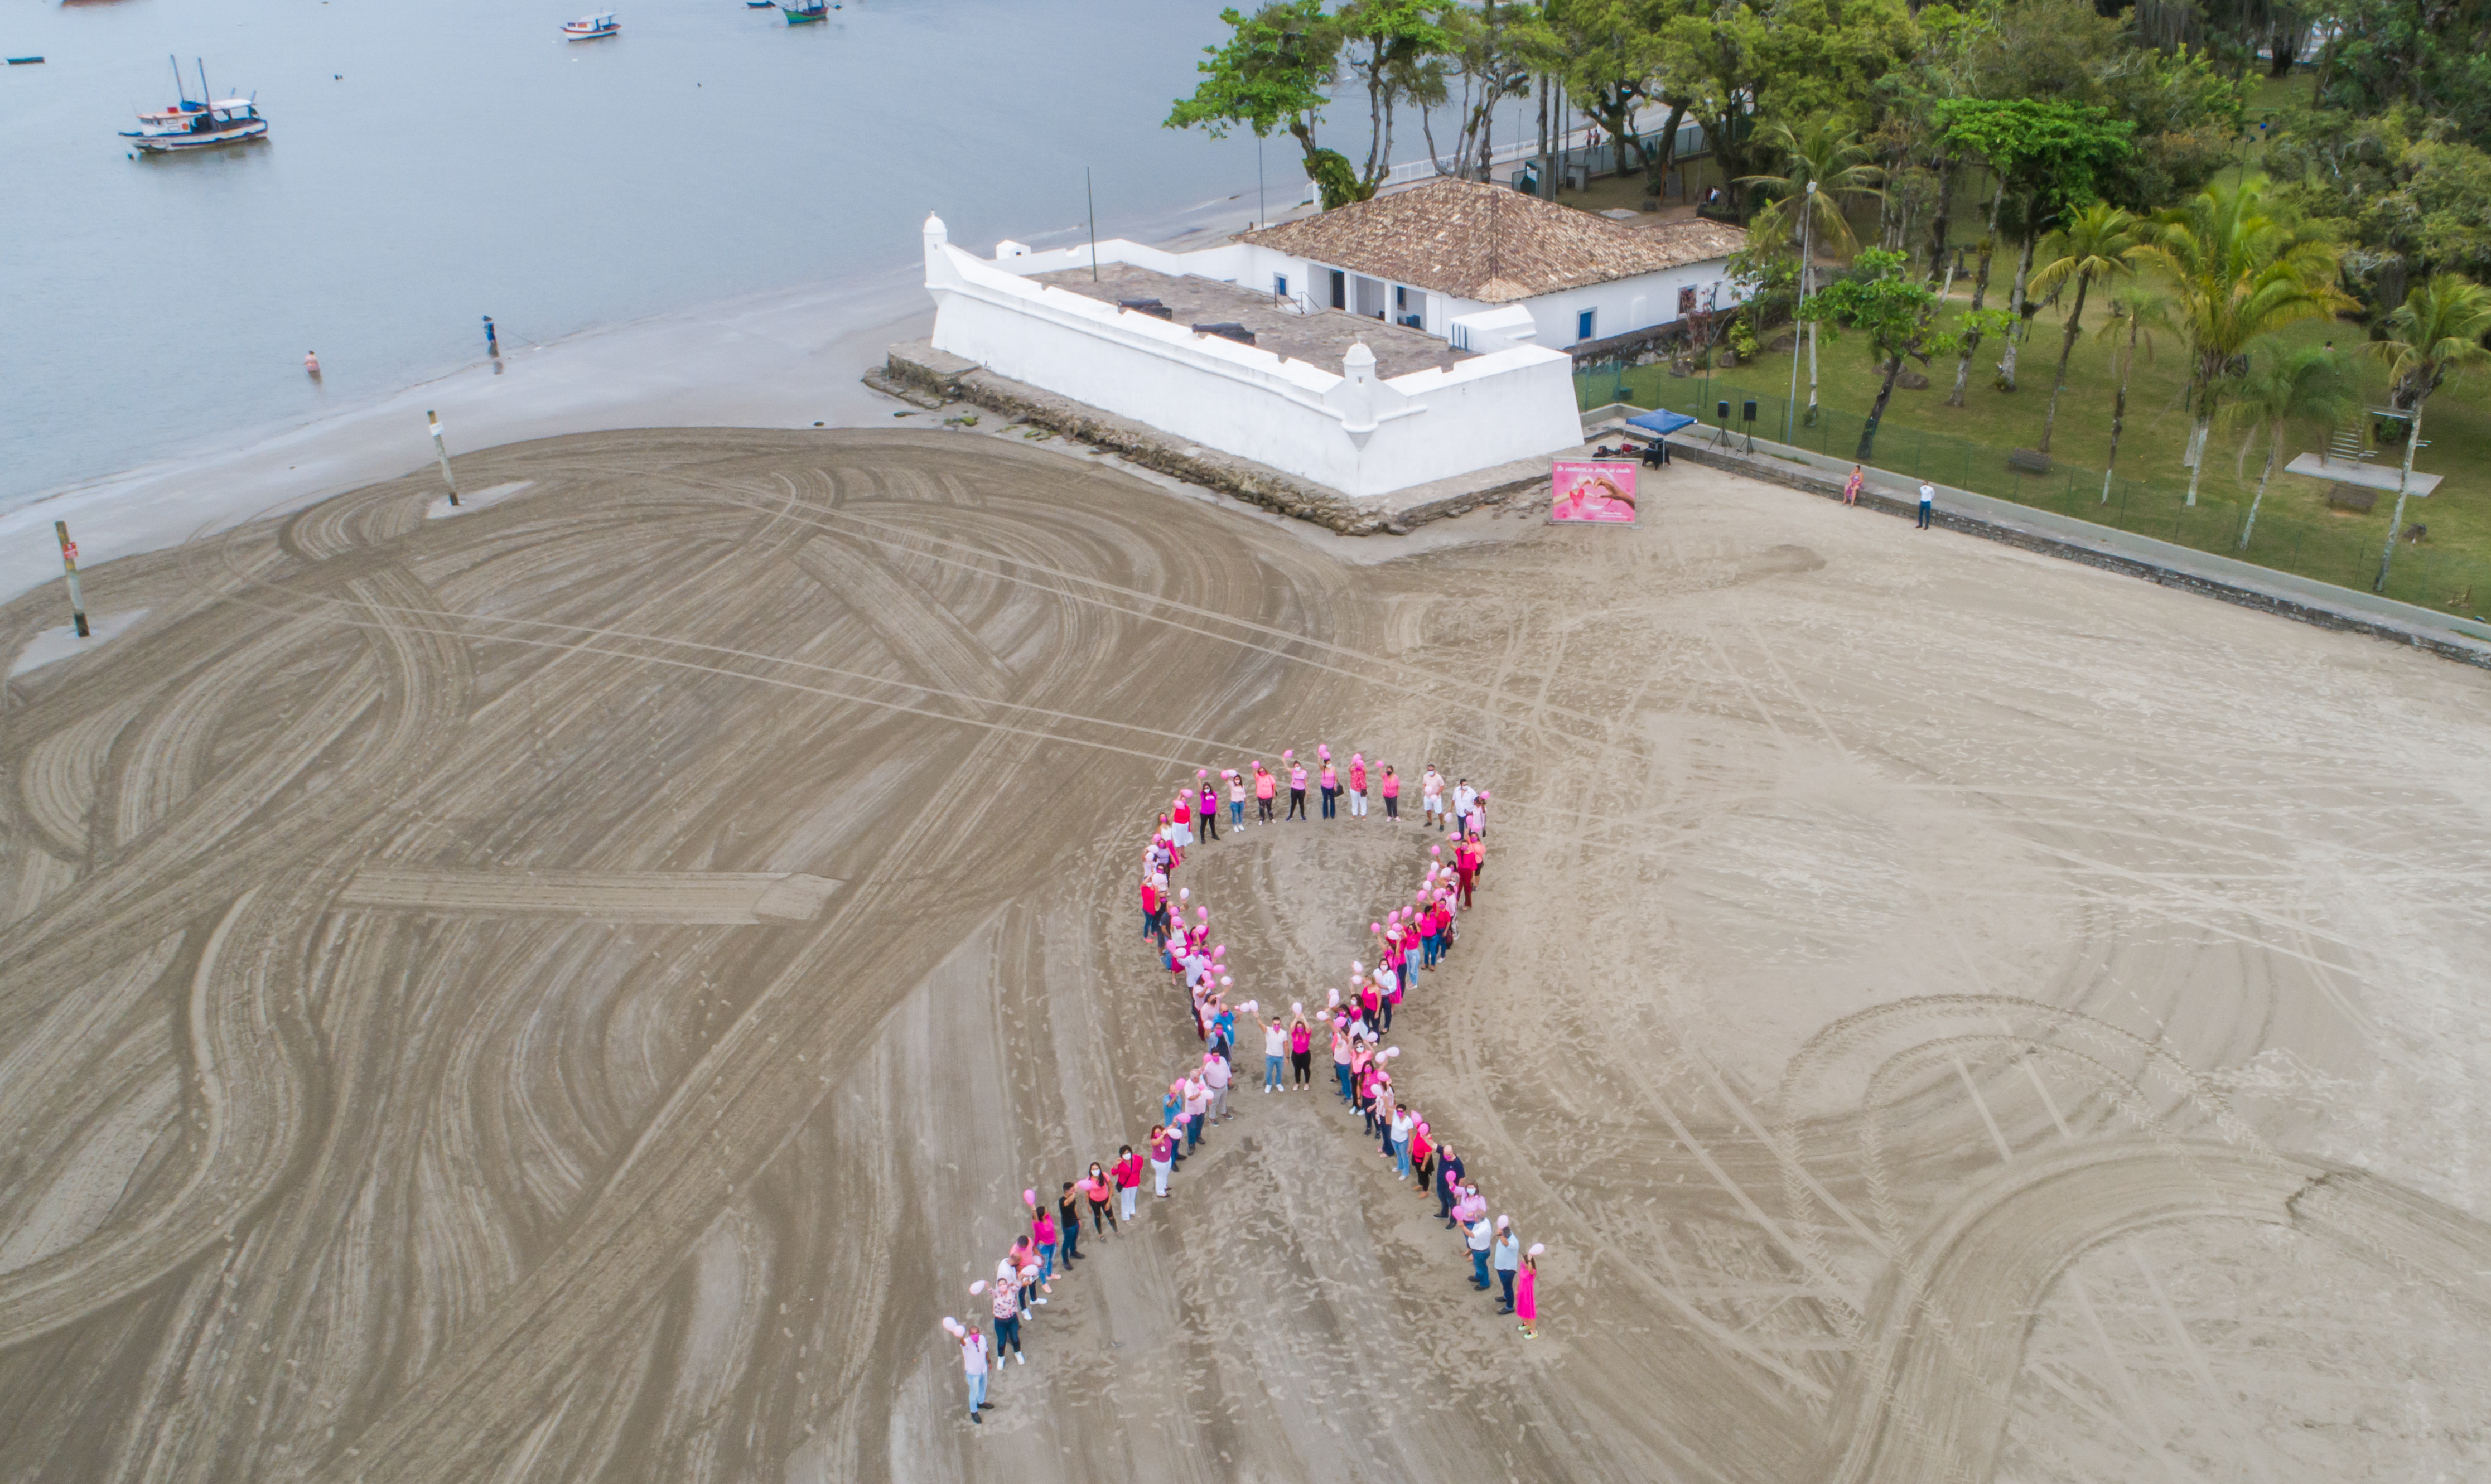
(2297, 530)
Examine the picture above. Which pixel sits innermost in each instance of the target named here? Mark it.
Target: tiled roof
(1490, 243)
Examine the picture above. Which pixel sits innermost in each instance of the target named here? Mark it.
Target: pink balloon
(1028, 1198)
(1202, 914)
(1287, 753)
(1483, 793)
(1221, 951)
(1202, 773)
(1377, 927)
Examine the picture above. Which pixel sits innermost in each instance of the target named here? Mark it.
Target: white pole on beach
(69, 567)
(1092, 196)
(441, 452)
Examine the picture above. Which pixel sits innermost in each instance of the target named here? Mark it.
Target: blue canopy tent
(1657, 424)
(1661, 423)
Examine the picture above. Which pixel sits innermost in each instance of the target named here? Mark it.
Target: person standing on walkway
(973, 1360)
(1162, 1147)
(1296, 790)
(1275, 1046)
(1526, 1290)
(1357, 785)
(1329, 780)
(1929, 501)
(492, 342)
(311, 365)
(1128, 1180)
(1850, 486)
(1506, 1256)
(1209, 808)
(1390, 788)
(1481, 1235)
(1266, 787)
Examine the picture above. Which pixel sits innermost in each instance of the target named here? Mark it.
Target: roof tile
(1492, 244)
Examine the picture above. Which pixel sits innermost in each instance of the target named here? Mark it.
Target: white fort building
(1417, 340)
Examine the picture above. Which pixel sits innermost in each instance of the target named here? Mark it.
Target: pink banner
(1599, 492)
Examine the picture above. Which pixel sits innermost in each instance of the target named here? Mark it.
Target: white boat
(589, 28)
(197, 126)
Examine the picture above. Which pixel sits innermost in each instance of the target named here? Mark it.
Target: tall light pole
(1806, 239)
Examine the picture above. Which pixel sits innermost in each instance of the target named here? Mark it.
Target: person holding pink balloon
(1526, 1289)
(1207, 802)
(1357, 785)
(1044, 1232)
(1297, 788)
(1266, 788)
(1329, 780)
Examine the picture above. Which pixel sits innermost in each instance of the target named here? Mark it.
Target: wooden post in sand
(441, 452)
(69, 567)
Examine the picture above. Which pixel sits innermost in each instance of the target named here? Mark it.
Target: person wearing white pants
(1163, 1155)
(1128, 1180)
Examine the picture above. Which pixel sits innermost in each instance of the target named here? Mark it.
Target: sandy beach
(574, 988)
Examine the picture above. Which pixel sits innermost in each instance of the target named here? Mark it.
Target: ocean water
(431, 163)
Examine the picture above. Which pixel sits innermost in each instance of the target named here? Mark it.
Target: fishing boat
(800, 12)
(186, 125)
(589, 28)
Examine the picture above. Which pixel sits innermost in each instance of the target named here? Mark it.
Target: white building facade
(1340, 426)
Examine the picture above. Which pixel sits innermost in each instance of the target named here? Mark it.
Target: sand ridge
(575, 991)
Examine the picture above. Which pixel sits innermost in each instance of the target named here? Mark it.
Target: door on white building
(1367, 298)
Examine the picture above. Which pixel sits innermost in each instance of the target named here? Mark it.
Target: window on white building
(1279, 285)
(1583, 324)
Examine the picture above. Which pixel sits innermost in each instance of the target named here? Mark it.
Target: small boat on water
(589, 28)
(210, 122)
(800, 12)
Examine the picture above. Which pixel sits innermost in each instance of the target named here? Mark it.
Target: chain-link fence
(2344, 552)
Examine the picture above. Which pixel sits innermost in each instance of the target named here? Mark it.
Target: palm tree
(2136, 314)
(2239, 272)
(1821, 169)
(2437, 331)
(2099, 242)
(2311, 385)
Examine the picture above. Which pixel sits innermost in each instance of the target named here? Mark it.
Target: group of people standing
(1410, 940)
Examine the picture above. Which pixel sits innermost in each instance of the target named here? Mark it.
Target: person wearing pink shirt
(1329, 782)
(1162, 1147)
(1208, 811)
(1266, 787)
(1296, 790)
(1357, 785)
(1042, 1233)
(1390, 788)
(1128, 1174)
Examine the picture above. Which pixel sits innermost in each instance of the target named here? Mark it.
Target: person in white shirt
(1431, 790)
(1197, 1102)
(973, 1362)
(1928, 500)
(1215, 1076)
(1403, 1120)
(1463, 795)
(1275, 1051)
(1481, 1235)
(1507, 1257)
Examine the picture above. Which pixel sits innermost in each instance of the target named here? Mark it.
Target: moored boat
(186, 125)
(589, 28)
(800, 12)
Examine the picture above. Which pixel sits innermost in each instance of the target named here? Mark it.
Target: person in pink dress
(1526, 1290)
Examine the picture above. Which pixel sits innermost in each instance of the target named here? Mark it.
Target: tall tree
(2098, 243)
(1396, 48)
(1275, 73)
(1608, 52)
(2238, 272)
(2307, 387)
(1824, 169)
(2435, 332)
(2047, 155)
(1883, 300)
(2136, 314)
(1497, 48)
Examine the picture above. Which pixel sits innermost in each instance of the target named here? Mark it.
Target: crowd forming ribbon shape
(1408, 941)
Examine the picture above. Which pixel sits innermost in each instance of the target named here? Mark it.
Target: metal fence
(2340, 550)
